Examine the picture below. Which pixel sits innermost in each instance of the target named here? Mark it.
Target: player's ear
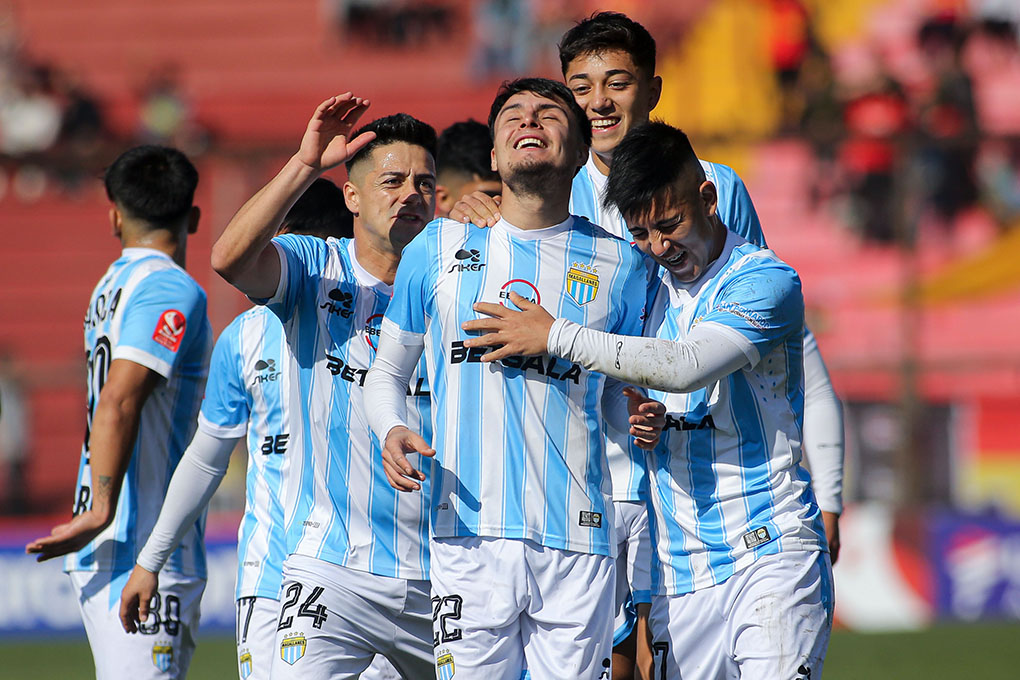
(444, 201)
(193, 216)
(351, 198)
(116, 222)
(654, 92)
(709, 197)
(492, 156)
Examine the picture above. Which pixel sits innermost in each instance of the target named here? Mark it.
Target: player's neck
(377, 261)
(160, 240)
(601, 162)
(535, 212)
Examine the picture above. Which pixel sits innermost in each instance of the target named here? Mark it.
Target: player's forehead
(531, 101)
(602, 63)
(665, 206)
(399, 158)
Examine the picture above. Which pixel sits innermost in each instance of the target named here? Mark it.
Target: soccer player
(522, 532)
(463, 160)
(743, 586)
(244, 395)
(147, 342)
(354, 581)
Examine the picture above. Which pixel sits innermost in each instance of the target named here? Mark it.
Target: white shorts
(256, 636)
(770, 620)
(333, 621)
(633, 564)
(502, 605)
(162, 648)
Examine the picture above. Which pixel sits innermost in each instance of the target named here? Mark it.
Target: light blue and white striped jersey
(147, 310)
(726, 482)
(246, 393)
(519, 443)
(338, 505)
(735, 209)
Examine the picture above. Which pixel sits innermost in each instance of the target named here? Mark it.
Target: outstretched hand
(326, 142)
(515, 333)
(647, 418)
(478, 207)
(67, 538)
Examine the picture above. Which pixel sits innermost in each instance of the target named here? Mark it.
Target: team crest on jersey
(445, 668)
(170, 329)
(582, 283)
(245, 665)
(293, 648)
(162, 656)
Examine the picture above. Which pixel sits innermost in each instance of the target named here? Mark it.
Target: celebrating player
(740, 541)
(463, 162)
(522, 531)
(147, 342)
(355, 580)
(244, 394)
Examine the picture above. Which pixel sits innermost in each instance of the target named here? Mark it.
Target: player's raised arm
(243, 254)
(114, 428)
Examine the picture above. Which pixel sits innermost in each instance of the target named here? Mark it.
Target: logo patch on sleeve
(170, 329)
(752, 539)
(591, 519)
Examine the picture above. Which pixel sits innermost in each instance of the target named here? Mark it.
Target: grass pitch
(946, 652)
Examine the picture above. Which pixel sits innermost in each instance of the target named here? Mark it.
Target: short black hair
(321, 211)
(543, 87)
(465, 148)
(606, 31)
(153, 184)
(400, 127)
(655, 162)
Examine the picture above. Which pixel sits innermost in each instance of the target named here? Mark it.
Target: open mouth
(529, 143)
(602, 124)
(678, 261)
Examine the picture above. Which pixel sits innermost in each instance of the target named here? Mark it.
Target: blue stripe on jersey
(523, 259)
(468, 472)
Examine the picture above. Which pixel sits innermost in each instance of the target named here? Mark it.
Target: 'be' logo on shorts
(293, 648)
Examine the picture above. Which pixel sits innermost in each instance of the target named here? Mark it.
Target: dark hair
(399, 127)
(320, 211)
(154, 184)
(605, 31)
(655, 162)
(466, 148)
(543, 87)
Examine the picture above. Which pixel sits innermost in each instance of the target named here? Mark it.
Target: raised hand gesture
(326, 142)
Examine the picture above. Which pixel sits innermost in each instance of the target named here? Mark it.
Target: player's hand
(831, 521)
(647, 418)
(136, 596)
(399, 472)
(515, 333)
(478, 207)
(326, 142)
(68, 537)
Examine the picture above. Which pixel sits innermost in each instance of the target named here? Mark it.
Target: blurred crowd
(900, 136)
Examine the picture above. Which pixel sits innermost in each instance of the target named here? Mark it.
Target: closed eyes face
(678, 233)
(531, 128)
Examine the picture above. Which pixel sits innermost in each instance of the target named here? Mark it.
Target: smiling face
(680, 232)
(615, 94)
(535, 141)
(392, 195)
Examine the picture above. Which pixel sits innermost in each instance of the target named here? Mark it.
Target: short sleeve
(412, 291)
(164, 316)
(735, 208)
(302, 261)
(226, 406)
(759, 307)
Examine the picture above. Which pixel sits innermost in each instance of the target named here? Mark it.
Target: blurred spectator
(998, 171)
(391, 22)
(789, 38)
(876, 113)
(13, 437)
(503, 30)
(166, 115)
(30, 113)
(947, 122)
(821, 122)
